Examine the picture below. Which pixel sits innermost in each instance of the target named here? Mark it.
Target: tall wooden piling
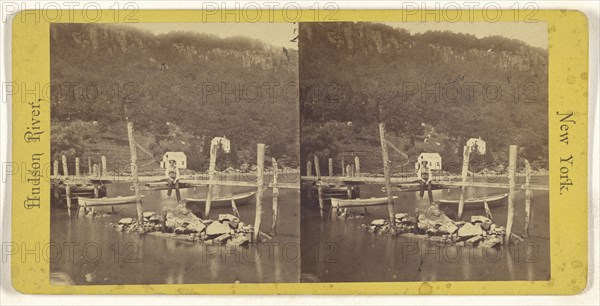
(275, 197)
(465, 175)
(65, 167)
(260, 173)
(527, 197)
(386, 171)
(55, 168)
(77, 170)
(309, 168)
(68, 198)
(104, 167)
(330, 166)
(211, 176)
(90, 171)
(512, 170)
(134, 172)
(319, 187)
(343, 167)
(356, 166)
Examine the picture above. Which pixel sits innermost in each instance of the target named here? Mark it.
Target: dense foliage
(434, 91)
(180, 89)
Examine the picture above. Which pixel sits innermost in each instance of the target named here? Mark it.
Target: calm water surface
(101, 255)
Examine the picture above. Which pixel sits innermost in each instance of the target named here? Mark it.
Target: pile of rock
(151, 223)
(436, 226)
(227, 229)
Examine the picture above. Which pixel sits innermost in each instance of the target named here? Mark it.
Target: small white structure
(179, 157)
(224, 142)
(434, 161)
(477, 145)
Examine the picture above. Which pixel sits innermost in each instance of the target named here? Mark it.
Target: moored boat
(83, 201)
(345, 203)
(475, 203)
(223, 201)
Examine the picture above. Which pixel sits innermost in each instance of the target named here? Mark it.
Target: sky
(280, 34)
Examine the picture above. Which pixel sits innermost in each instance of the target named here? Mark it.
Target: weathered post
(319, 187)
(512, 170)
(211, 176)
(65, 167)
(465, 174)
(260, 172)
(330, 166)
(309, 168)
(77, 172)
(275, 197)
(386, 171)
(90, 171)
(55, 168)
(134, 172)
(349, 170)
(528, 192)
(343, 167)
(68, 198)
(356, 166)
(104, 167)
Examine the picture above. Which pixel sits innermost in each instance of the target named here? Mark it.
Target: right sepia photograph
(424, 151)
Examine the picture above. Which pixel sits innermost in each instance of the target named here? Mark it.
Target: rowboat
(162, 185)
(240, 199)
(475, 203)
(106, 201)
(415, 186)
(345, 203)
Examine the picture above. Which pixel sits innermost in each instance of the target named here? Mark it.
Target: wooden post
(386, 172)
(55, 169)
(275, 197)
(211, 176)
(527, 197)
(330, 166)
(512, 170)
(356, 166)
(77, 172)
(65, 167)
(349, 170)
(343, 167)
(465, 174)
(90, 171)
(68, 198)
(134, 172)
(96, 170)
(236, 212)
(104, 167)
(488, 212)
(319, 187)
(260, 168)
(308, 168)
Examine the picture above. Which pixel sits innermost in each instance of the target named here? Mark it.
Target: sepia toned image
(175, 153)
(424, 152)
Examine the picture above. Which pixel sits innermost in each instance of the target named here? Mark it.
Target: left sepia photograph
(175, 153)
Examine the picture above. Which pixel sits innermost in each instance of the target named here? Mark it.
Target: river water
(341, 251)
(90, 251)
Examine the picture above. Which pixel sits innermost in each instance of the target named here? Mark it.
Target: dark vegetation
(179, 89)
(433, 90)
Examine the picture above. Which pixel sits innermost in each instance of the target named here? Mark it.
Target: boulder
(448, 228)
(378, 222)
(473, 240)
(227, 217)
(401, 217)
(469, 230)
(485, 223)
(234, 224)
(222, 238)
(239, 240)
(433, 218)
(491, 242)
(180, 216)
(126, 221)
(217, 229)
(148, 214)
(196, 226)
